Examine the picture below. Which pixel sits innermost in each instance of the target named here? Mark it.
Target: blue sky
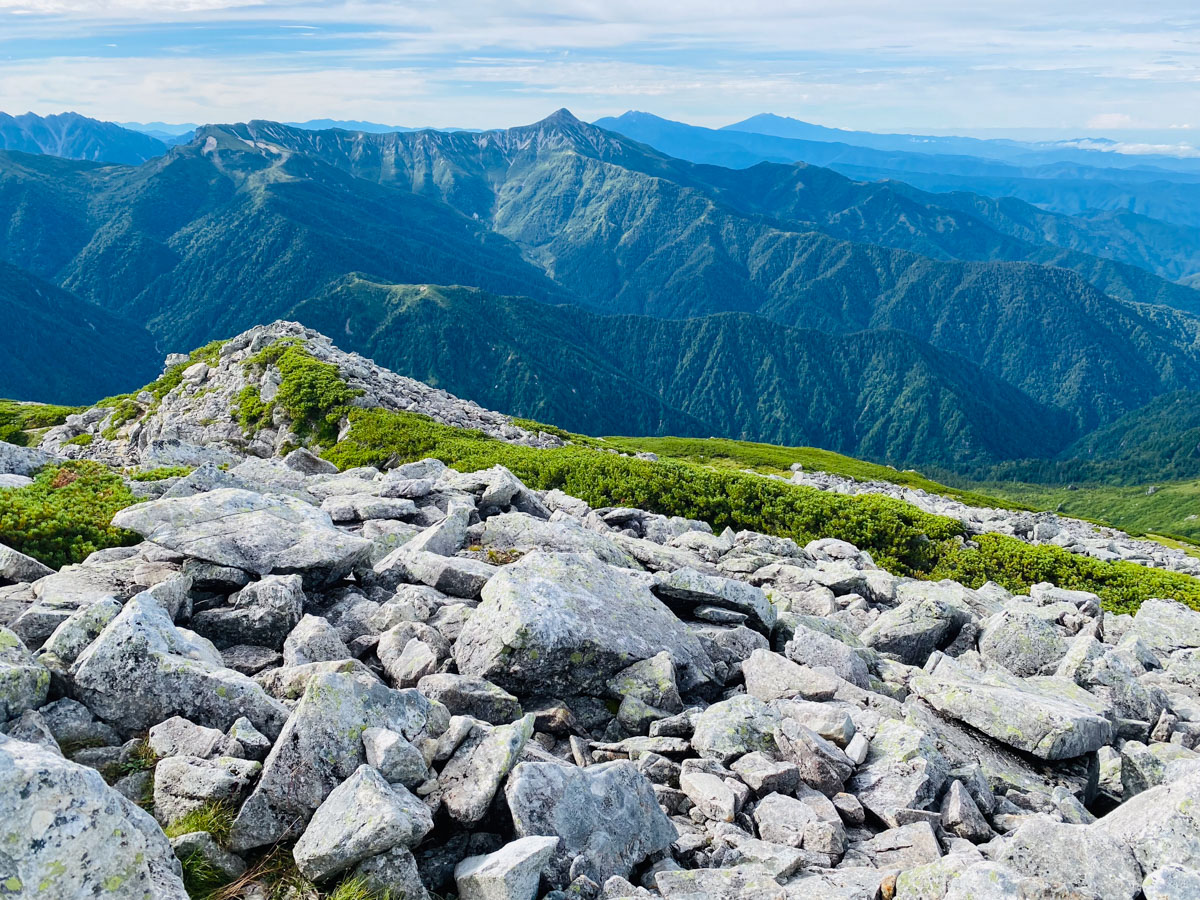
(1056, 66)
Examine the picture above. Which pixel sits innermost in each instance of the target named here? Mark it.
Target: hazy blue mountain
(1099, 152)
(1069, 189)
(73, 136)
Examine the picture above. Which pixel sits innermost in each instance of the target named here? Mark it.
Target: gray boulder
(66, 833)
(17, 568)
(321, 746)
(1022, 642)
(567, 623)
(1161, 826)
(392, 874)
(1076, 855)
(903, 770)
(469, 781)
(511, 873)
(517, 531)
(142, 670)
(245, 530)
(362, 817)
(394, 757)
(313, 640)
(816, 649)
(75, 633)
(605, 817)
(24, 682)
(262, 613)
(179, 737)
(17, 460)
(1050, 718)
(1166, 626)
(186, 783)
(1172, 883)
(770, 676)
(464, 695)
(914, 629)
(821, 764)
(735, 727)
(687, 589)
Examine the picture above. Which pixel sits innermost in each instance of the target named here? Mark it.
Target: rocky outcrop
(194, 422)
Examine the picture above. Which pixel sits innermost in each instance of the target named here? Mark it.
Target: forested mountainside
(60, 349)
(73, 136)
(780, 303)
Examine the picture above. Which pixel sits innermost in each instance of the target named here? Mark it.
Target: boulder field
(437, 683)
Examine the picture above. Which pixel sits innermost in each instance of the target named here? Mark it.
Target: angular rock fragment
(568, 623)
(605, 817)
(511, 873)
(249, 531)
(362, 817)
(65, 833)
(142, 670)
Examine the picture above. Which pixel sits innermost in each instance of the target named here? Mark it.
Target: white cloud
(925, 64)
(1110, 120)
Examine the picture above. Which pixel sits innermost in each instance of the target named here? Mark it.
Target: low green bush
(311, 392)
(17, 420)
(161, 473)
(66, 513)
(1018, 566)
(899, 535)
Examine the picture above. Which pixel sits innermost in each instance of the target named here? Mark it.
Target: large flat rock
(254, 532)
(566, 622)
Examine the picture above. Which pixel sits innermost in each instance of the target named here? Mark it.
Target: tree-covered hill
(882, 395)
(57, 348)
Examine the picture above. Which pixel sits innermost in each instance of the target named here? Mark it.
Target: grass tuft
(214, 817)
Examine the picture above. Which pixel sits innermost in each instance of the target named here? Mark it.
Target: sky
(1019, 68)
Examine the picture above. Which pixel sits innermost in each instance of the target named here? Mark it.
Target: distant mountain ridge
(1083, 151)
(1064, 187)
(73, 136)
(619, 285)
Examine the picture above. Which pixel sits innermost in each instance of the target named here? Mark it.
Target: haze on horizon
(1054, 68)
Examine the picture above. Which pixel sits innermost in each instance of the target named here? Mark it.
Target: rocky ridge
(439, 681)
(191, 424)
(1097, 541)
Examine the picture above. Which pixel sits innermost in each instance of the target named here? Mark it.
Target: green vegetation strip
(21, 422)
(777, 460)
(64, 515)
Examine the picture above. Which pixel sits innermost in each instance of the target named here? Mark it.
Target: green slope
(57, 348)
(73, 136)
(883, 395)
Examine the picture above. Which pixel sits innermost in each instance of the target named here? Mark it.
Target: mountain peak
(561, 116)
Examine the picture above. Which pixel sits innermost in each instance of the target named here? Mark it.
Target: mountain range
(73, 136)
(569, 273)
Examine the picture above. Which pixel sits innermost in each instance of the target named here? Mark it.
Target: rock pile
(1075, 535)
(436, 681)
(190, 424)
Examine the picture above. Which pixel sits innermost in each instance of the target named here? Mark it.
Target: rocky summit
(410, 681)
